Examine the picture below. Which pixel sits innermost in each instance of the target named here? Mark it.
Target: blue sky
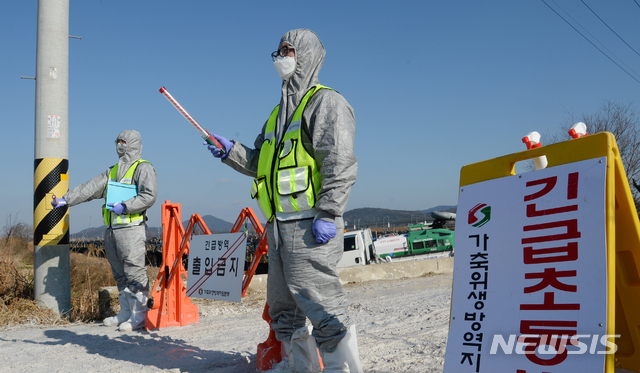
(435, 85)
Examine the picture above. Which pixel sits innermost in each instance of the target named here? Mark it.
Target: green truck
(423, 241)
(431, 238)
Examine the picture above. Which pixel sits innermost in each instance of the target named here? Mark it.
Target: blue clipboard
(118, 192)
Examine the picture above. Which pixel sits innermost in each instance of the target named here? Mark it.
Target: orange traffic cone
(270, 351)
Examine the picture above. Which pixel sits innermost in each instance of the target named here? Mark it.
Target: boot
(123, 315)
(345, 357)
(302, 351)
(138, 304)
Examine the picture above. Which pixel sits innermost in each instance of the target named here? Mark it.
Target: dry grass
(17, 303)
(27, 312)
(88, 275)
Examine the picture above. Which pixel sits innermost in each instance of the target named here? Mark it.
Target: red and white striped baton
(203, 132)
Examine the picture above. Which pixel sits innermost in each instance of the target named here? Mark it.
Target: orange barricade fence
(170, 306)
(247, 213)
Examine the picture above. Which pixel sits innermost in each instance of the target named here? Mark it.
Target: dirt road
(402, 327)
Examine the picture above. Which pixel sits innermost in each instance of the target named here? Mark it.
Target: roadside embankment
(382, 271)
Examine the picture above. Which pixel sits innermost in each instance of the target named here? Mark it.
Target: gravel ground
(402, 327)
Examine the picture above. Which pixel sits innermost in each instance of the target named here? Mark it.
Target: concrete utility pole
(52, 285)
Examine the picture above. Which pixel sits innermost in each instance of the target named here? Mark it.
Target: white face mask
(121, 149)
(285, 66)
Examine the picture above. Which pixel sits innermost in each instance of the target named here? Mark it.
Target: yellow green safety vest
(287, 177)
(110, 218)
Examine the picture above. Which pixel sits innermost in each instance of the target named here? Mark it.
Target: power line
(587, 39)
(594, 13)
(596, 39)
(636, 1)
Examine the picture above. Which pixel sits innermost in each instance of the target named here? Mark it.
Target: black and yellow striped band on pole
(50, 226)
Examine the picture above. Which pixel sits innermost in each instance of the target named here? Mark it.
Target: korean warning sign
(530, 273)
(216, 266)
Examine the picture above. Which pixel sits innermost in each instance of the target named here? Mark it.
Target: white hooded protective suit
(125, 247)
(303, 281)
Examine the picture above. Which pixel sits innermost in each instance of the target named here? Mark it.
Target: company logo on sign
(200, 291)
(479, 215)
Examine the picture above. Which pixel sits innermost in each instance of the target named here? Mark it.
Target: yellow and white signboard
(547, 265)
(216, 266)
(528, 294)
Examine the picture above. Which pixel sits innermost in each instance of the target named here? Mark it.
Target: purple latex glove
(116, 208)
(58, 202)
(216, 151)
(323, 230)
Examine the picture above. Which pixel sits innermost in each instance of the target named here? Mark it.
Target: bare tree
(623, 121)
(17, 230)
(9, 227)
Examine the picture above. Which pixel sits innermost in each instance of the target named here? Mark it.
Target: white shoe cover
(302, 352)
(345, 357)
(123, 315)
(138, 304)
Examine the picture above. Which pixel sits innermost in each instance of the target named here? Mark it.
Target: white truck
(358, 248)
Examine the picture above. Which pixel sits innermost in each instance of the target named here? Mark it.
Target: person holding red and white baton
(303, 167)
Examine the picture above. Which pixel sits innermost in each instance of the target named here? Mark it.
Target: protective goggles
(282, 52)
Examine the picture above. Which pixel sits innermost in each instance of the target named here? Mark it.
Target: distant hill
(214, 224)
(376, 217)
(362, 217)
(89, 234)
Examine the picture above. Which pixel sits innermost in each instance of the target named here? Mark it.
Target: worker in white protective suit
(125, 236)
(304, 167)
